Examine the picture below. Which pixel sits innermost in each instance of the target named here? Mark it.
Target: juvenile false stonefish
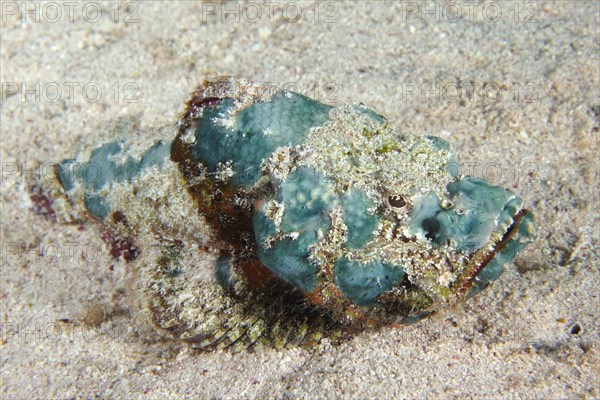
(269, 217)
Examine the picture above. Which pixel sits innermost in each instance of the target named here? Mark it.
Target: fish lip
(511, 233)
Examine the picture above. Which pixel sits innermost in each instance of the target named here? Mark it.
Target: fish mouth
(485, 267)
(485, 223)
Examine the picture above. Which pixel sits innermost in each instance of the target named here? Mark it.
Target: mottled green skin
(289, 257)
(364, 223)
(365, 282)
(101, 171)
(288, 119)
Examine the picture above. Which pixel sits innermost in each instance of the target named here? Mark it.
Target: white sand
(513, 340)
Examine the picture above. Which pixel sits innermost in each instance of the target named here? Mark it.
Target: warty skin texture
(272, 218)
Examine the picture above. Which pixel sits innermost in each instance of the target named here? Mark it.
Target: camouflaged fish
(269, 217)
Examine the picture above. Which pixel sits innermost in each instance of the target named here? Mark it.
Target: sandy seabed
(513, 86)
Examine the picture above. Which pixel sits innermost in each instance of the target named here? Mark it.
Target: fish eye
(396, 201)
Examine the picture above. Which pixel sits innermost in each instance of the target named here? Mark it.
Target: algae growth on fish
(273, 218)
